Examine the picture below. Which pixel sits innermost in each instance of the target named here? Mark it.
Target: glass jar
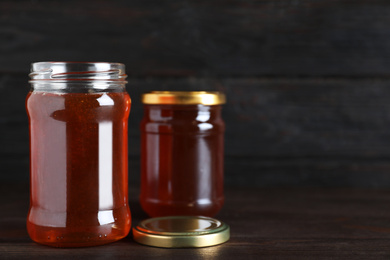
(182, 143)
(78, 116)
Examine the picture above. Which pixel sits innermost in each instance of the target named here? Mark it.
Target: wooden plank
(298, 223)
(292, 118)
(202, 38)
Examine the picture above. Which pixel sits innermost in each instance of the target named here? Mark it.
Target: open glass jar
(182, 144)
(78, 116)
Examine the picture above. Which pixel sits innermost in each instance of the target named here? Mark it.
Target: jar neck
(78, 76)
(182, 112)
(78, 87)
(182, 119)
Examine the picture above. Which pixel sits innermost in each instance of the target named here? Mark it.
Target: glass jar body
(182, 160)
(78, 164)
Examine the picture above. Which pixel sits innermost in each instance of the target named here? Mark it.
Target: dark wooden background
(307, 82)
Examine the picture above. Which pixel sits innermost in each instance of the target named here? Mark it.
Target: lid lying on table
(184, 98)
(181, 231)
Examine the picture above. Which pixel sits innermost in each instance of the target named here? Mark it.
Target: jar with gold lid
(182, 153)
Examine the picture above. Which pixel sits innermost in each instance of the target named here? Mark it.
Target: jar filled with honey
(78, 114)
(182, 150)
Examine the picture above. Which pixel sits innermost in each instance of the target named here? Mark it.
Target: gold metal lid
(181, 231)
(184, 98)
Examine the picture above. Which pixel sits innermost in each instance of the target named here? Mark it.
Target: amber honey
(78, 167)
(181, 156)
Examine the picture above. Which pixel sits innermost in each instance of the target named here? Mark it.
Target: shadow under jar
(182, 149)
(78, 116)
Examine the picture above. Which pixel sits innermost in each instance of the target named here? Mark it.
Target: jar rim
(184, 98)
(76, 71)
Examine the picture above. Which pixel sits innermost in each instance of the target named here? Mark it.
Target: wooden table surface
(266, 223)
